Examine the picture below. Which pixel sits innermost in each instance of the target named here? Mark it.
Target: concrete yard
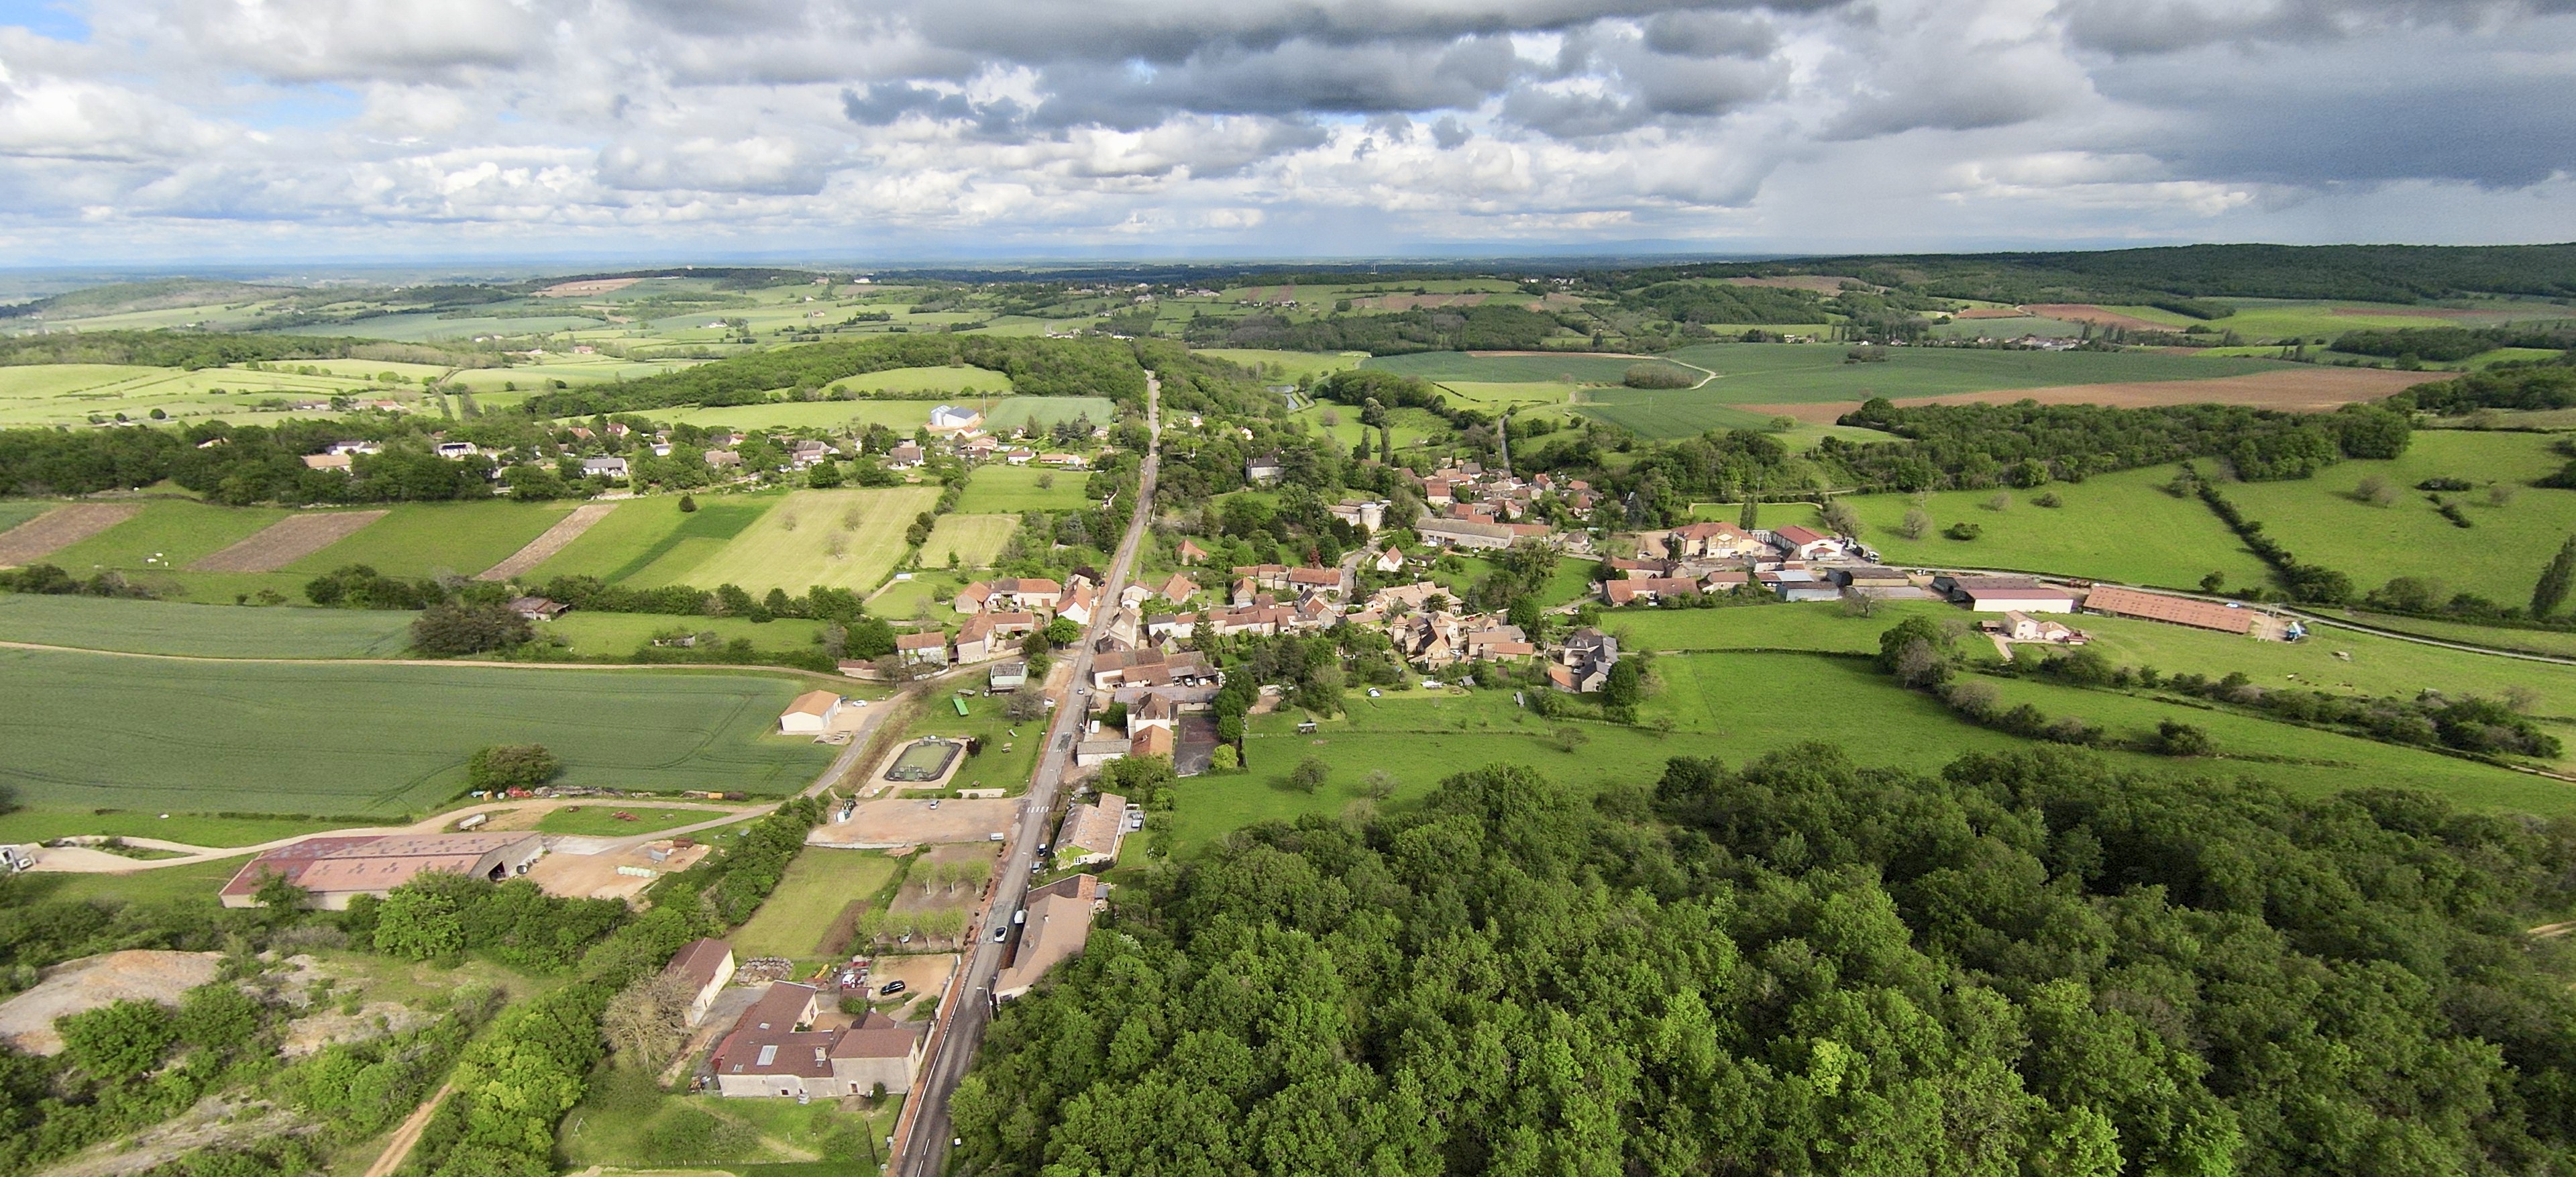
(896, 822)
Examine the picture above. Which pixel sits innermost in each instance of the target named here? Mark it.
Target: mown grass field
(630, 529)
(619, 634)
(2500, 557)
(438, 539)
(1007, 759)
(998, 489)
(205, 631)
(69, 394)
(2557, 643)
(16, 511)
(136, 733)
(843, 538)
(168, 534)
(901, 416)
(974, 541)
(37, 824)
(695, 536)
(2119, 526)
(1738, 706)
(2314, 319)
(613, 1128)
(818, 885)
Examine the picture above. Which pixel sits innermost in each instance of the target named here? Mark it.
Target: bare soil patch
(586, 287)
(924, 978)
(1991, 313)
(1820, 283)
(287, 541)
(2313, 390)
(59, 528)
(2085, 312)
(543, 548)
(882, 824)
(594, 876)
(27, 1020)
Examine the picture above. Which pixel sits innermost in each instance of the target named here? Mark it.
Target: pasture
(837, 416)
(999, 489)
(202, 631)
(844, 538)
(616, 635)
(47, 531)
(135, 733)
(168, 534)
(69, 394)
(699, 535)
(820, 884)
(41, 824)
(973, 541)
(2499, 557)
(632, 528)
(2121, 527)
(1742, 705)
(438, 539)
(1290, 365)
(2319, 319)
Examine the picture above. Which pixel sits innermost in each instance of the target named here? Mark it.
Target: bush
(2182, 739)
(1963, 530)
(452, 627)
(1656, 376)
(511, 766)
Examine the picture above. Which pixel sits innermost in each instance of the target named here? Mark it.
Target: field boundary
(555, 539)
(288, 540)
(60, 528)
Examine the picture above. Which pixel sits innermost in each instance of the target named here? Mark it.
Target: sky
(151, 131)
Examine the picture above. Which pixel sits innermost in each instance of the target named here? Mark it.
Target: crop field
(900, 416)
(1497, 368)
(569, 369)
(2500, 557)
(438, 539)
(631, 527)
(423, 326)
(2257, 318)
(204, 631)
(195, 829)
(2119, 526)
(998, 489)
(1292, 365)
(169, 533)
(1739, 706)
(845, 538)
(974, 540)
(607, 635)
(16, 511)
(49, 529)
(135, 733)
(819, 884)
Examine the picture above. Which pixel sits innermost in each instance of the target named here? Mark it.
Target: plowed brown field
(287, 541)
(59, 528)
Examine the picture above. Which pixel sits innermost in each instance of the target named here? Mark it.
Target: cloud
(1278, 125)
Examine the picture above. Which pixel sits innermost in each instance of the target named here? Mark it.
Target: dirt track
(2313, 390)
(556, 539)
(59, 528)
(287, 541)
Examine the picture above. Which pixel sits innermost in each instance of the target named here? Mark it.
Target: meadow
(2553, 643)
(902, 416)
(614, 1129)
(1739, 706)
(38, 824)
(131, 733)
(1572, 368)
(843, 538)
(438, 539)
(1035, 411)
(973, 541)
(1291, 365)
(203, 631)
(69, 394)
(819, 884)
(998, 489)
(2498, 557)
(653, 524)
(616, 635)
(2120, 526)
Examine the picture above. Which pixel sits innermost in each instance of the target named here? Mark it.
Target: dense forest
(2370, 273)
(1488, 327)
(2547, 386)
(2028, 964)
(2027, 444)
(209, 349)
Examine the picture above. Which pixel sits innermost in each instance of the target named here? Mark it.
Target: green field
(168, 534)
(1571, 368)
(68, 394)
(632, 528)
(438, 539)
(2557, 643)
(844, 538)
(1291, 365)
(1007, 760)
(975, 541)
(695, 536)
(2314, 319)
(2115, 527)
(900, 599)
(205, 631)
(1737, 706)
(194, 882)
(2500, 557)
(41, 824)
(615, 1127)
(132, 733)
(902, 416)
(615, 635)
(16, 511)
(819, 884)
(1000, 489)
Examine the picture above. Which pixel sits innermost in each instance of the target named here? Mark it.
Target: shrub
(1656, 376)
(511, 766)
(1963, 530)
(451, 627)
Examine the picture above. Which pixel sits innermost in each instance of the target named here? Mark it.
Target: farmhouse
(767, 1056)
(723, 459)
(1582, 665)
(1461, 533)
(1191, 553)
(1005, 677)
(538, 608)
(1058, 925)
(2124, 602)
(604, 467)
(1806, 543)
(811, 714)
(1091, 833)
(986, 636)
(1010, 594)
(334, 870)
(1710, 540)
(339, 462)
(949, 419)
(1178, 589)
(1151, 741)
(1647, 590)
(701, 970)
(1148, 667)
(1261, 470)
(904, 456)
(1391, 560)
(915, 649)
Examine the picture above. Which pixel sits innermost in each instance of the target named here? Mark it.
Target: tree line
(1035, 367)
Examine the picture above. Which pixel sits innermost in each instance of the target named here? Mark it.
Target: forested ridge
(2028, 964)
(1036, 367)
(2368, 273)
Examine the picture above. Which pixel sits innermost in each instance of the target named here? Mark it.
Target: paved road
(922, 1146)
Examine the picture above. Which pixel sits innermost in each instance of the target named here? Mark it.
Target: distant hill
(127, 297)
(2361, 273)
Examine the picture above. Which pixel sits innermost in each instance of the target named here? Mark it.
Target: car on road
(934, 803)
(1001, 933)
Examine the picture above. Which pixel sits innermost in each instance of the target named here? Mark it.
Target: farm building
(1706, 540)
(1191, 553)
(538, 608)
(987, 636)
(334, 870)
(811, 714)
(950, 419)
(2124, 602)
(1007, 676)
(767, 1056)
(915, 648)
(1010, 594)
(1995, 594)
(1151, 741)
(701, 969)
(1059, 924)
(904, 456)
(1461, 533)
(1806, 543)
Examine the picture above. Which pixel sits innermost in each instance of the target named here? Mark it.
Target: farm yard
(842, 538)
(128, 732)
